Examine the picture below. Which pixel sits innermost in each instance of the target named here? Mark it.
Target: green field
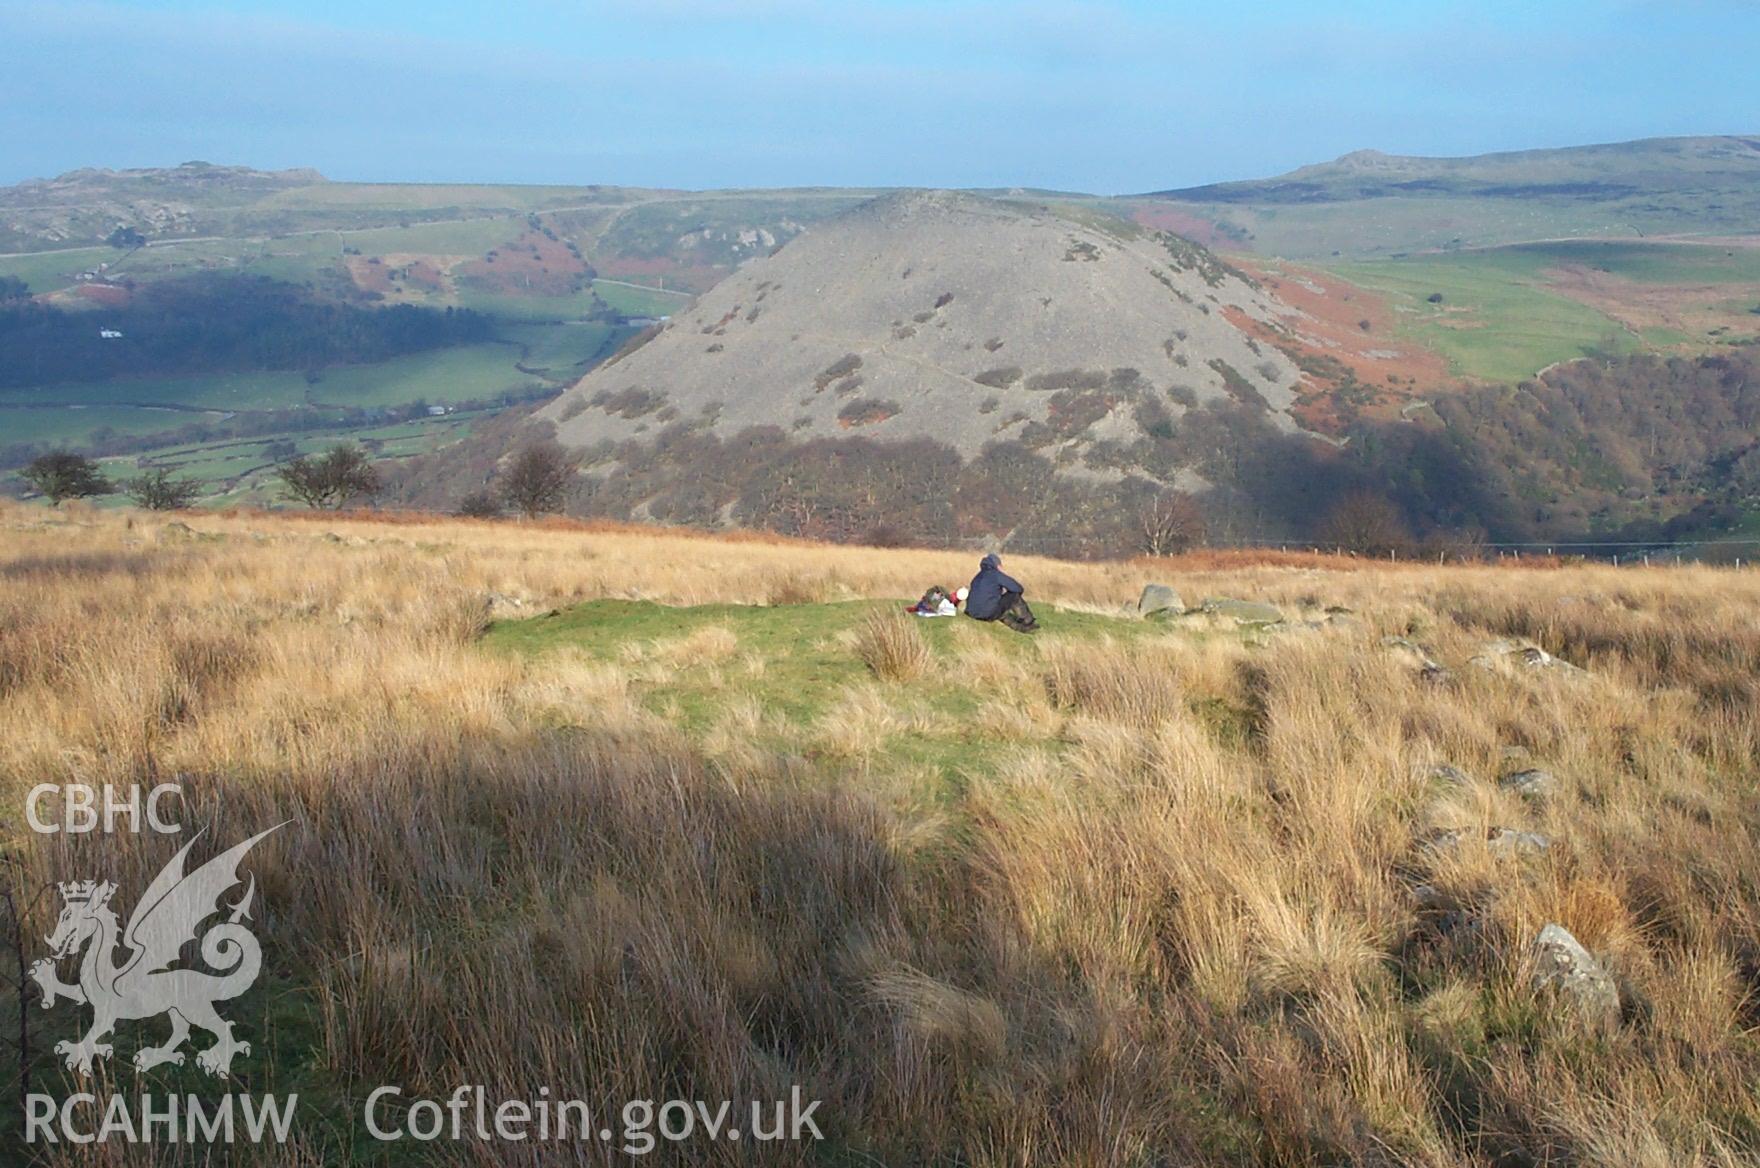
(634, 301)
(74, 426)
(1499, 317)
(79, 415)
(565, 351)
(47, 271)
(1648, 263)
(313, 256)
(240, 471)
(624, 298)
(430, 197)
(69, 412)
(1496, 320)
(438, 376)
(1392, 226)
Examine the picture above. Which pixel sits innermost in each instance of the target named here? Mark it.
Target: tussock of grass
(893, 647)
(1137, 687)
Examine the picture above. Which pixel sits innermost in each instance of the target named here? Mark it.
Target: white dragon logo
(166, 919)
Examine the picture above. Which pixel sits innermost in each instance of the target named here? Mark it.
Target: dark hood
(990, 561)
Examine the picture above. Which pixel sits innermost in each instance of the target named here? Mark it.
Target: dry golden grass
(1176, 919)
(891, 645)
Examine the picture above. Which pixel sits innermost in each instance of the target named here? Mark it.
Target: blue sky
(1109, 97)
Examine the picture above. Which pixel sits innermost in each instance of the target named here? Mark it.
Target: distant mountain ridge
(85, 205)
(1609, 170)
(1365, 204)
(89, 180)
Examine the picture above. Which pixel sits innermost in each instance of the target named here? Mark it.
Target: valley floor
(634, 814)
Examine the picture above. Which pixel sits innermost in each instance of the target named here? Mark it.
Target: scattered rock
(1449, 916)
(500, 604)
(1430, 897)
(1504, 841)
(1159, 598)
(1330, 620)
(1445, 772)
(178, 531)
(1563, 967)
(1418, 657)
(1442, 839)
(1530, 784)
(1505, 655)
(1243, 612)
(1499, 841)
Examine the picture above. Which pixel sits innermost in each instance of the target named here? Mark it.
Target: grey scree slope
(925, 303)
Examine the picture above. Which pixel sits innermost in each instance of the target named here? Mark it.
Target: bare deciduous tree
(1170, 523)
(479, 505)
(333, 479)
(1365, 522)
(537, 480)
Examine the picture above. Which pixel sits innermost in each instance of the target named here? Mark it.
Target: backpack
(938, 601)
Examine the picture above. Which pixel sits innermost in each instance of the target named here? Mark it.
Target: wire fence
(1615, 552)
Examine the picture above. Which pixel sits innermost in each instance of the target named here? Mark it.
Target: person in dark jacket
(995, 595)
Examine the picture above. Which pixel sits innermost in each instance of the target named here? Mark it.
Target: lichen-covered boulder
(1563, 968)
(1243, 612)
(1159, 598)
(1530, 784)
(1508, 656)
(1445, 773)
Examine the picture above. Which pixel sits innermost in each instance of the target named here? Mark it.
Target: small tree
(479, 505)
(61, 474)
(537, 479)
(1170, 523)
(126, 237)
(332, 480)
(1365, 522)
(158, 491)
